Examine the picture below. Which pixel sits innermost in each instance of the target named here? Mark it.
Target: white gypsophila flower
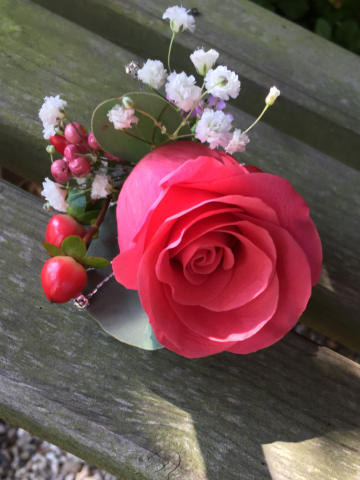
(122, 118)
(101, 187)
(81, 181)
(222, 83)
(272, 96)
(153, 73)
(203, 61)
(182, 90)
(238, 142)
(179, 19)
(55, 195)
(214, 128)
(49, 131)
(52, 111)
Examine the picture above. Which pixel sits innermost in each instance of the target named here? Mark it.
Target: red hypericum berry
(92, 142)
(71, 135)
(82, 147)
(62, 226)
(60, 171)
(80, 167)
(62, 279)
(71, 152)
(112, 158)
(59, 142)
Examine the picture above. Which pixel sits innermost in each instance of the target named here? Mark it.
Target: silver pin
(132, 69)
(82, 301)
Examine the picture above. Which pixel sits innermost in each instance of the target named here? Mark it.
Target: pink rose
(223, 256)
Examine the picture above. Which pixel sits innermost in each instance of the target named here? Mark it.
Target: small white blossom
(203, 61)
(214, 128)
(222, 83)
(153, 73)
(179, 19)
(101, 187)
(122, 118)
(272, 96)
(238, 142)
(49, 131)
(55, 195)
(182, 90)
(52, 111)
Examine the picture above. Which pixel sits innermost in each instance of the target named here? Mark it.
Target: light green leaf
(94, 262)
(87, 217)
(53, 249)
(124, 146)
(323, 28)
(77, 201)
(74, 247)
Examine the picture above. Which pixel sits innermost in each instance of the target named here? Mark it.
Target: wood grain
(290, 411)
(319, 81)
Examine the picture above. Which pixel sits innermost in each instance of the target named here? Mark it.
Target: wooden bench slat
(76, 71)
(319, 81)
(292, 409)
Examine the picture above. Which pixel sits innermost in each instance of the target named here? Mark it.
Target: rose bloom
(223, 256)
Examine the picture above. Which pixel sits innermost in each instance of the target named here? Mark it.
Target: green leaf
(87, 217)
(53, 249)
(347, 33)
(77, 201)
(119, 143)
(117, 310)
(322, 28)
(95, 262)
(74, 247)
(293, 9)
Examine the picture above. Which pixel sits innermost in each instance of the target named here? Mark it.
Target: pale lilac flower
(49, 131)
(55, 195)
(182, 90)
(220, 104)
(222, 83)
(203, 61)
(52, 111)
(272, 96)
(101, 186)
(153, 73)
(122, 118)
(238, 142)
(214, 128)
(179, 19)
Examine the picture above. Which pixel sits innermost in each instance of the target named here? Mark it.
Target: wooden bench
(288, 412)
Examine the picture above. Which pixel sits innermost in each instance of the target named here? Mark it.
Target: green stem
(154, 120)
(180, 136)
(262, 113)
(52, 158)
(137, 138)
(170, 47)
(158, 93)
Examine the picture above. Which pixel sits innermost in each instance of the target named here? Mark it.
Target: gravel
(26, 457)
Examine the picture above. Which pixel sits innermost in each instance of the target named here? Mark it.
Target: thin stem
(137, 138)
(170, 47)
(86, 145)
(52, 158)
(262, 113)
(154, 120)
(158, 93)
(95, 228)
(217, 99)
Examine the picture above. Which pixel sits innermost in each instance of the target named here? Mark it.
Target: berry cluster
(64, 276)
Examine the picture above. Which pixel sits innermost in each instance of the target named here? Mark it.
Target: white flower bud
(179, 19)
(127, 103)
(50, 149)
(272, 96)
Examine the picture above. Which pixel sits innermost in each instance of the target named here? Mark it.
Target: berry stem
(95, 228)
(86, 145)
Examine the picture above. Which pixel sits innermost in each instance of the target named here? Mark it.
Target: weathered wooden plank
(290, 411)
(331, 188)
(319, 81)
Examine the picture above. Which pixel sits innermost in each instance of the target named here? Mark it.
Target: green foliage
(53, 250)
(122, 143)
(77, 201)
(74, 246)
(95, 262)
(335, 20)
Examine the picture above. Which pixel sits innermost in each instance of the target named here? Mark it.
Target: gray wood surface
(290, 412)
(319, 81)
(42, 54)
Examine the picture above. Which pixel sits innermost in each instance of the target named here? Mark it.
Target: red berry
(92, 142)
(82, 147)
(60, 171)
(112, 158)
(71, 151)
(71, 135)
(59, 142)
(62, 279)
(80, 167)
(62, 226)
